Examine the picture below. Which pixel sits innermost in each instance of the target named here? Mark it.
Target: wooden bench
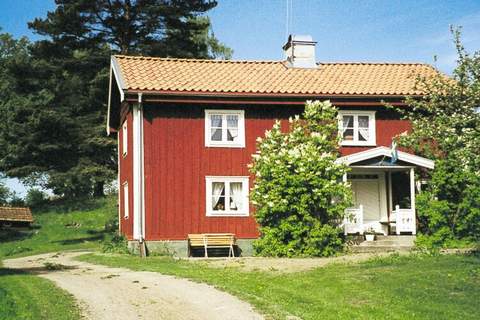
(212, 240)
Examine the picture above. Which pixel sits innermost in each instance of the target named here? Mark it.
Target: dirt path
(114, 293)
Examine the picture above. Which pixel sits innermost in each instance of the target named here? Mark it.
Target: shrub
(115, 244)
(446, 127)
(298, 191)
(35, 198)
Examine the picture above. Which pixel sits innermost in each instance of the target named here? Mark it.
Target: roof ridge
(401, 63)
(195, 59)
(269, 61)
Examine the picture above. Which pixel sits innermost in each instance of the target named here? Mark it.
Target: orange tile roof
(268, 77)
(15, 214)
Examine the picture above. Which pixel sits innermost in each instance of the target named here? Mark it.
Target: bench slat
(213, 240)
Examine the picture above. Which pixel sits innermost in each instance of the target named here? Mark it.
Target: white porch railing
(404, 220)
(353, 221)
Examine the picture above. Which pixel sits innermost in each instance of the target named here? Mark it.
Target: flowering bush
(298, 193)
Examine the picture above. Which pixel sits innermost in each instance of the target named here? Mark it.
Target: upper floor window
(225, 128)
(357, 128)
(124, 138)
(227, 196)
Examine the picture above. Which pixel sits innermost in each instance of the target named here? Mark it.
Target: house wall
(125, 167)
(177, 161)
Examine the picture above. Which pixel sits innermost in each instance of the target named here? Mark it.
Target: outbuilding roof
(15, 214)
(149, 74)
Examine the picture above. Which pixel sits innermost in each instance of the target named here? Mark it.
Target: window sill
(358, 144)
(225, 145)
(227, 214)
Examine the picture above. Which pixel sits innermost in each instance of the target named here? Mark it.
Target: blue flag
(394, 152)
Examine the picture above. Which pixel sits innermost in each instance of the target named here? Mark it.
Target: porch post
(390, 194)
(412, 199)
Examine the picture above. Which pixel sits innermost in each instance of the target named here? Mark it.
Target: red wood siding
(125, 165)
(177, 161)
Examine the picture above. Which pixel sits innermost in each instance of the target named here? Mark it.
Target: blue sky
(361, 30)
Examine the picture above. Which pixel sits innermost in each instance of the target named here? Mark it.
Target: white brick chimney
(300, 51)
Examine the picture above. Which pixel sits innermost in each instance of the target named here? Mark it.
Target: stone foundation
(178, 248)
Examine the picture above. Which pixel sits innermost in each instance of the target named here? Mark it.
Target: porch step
(385, 244)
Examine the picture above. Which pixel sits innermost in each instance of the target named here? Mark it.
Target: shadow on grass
(96, 237)
(17, 234)
(38, 270)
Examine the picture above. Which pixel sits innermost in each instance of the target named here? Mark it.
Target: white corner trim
(385, 151)
(226, 179)
(225, 144)
(138, 174)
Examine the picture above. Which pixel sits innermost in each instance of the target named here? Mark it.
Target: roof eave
(115, 74)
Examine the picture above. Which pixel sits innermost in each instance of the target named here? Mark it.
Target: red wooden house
(187, 129)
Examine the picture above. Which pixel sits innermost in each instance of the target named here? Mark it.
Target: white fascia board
(114, 72)
(385, 151)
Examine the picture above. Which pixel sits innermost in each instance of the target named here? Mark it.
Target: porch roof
(387, 152)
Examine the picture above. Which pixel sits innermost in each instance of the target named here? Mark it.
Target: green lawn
(61, 226)
(399, 287)
(24, 296)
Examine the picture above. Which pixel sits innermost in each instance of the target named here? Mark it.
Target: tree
(165, 28)
(4, 193)
(55, 90)
(446, 127)
(298, 193)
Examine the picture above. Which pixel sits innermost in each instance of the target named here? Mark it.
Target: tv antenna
(288, 18)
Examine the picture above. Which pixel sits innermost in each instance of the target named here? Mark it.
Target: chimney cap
(299, 38)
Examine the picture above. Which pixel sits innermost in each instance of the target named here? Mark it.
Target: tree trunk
(98, 189)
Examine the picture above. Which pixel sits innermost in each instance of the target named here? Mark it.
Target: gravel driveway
(115, 293)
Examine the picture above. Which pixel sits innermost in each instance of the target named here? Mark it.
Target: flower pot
(370, 237)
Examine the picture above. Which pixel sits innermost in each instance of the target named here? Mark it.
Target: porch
(384, 191)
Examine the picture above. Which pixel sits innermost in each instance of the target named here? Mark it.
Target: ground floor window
(227, 196)
(125, 200)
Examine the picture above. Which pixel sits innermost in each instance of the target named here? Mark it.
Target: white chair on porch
(404, 220)
(353, 222)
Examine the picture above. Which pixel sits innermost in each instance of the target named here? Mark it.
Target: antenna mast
(288, 18)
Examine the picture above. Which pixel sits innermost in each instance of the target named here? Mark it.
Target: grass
(24, 296)
(59, 226)
(397, 287)
(423, 287)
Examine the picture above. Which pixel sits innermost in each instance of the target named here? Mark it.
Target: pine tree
(54, 91)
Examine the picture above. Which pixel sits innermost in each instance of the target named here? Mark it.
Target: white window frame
(245, 212)
(225, 144)
(124, 138)
(372, 137)
(126, 207)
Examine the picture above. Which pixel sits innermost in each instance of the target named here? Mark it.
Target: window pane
(236, 196)
(363, 121)
(348, 134)
(218, 196)
(363, 134)
(347, 122)
(216, 134)
(232, 135)
(232, 121)
(216, 120)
